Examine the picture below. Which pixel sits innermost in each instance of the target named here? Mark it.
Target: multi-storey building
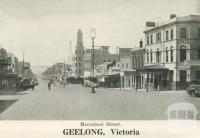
(101, 55)
(78, 56)
(172, 58)
(137, 66)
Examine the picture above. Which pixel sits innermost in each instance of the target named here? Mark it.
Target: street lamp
(93, 35)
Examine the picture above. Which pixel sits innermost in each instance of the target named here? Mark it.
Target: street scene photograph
(100, 60)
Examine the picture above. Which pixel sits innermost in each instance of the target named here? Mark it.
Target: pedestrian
(158, 88)
(49, 85)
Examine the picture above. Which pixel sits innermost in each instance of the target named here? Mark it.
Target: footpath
(150, 91)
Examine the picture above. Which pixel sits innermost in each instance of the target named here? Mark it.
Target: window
(79, 58)
(197, 74)
(158, 56)
(79, 64)
(172, 34)
(183, 32)
(158, 37)
(198, 32)
(198, 53)
(147, 40)
(122, 65)
(147, 56)
(79, 71)
(76, 64)
(151, 56)
(171, 74)
(166, 55)
(76, 58)
(126, 65)
(171, 51)
(183, 53)
(167, 35)
(151, 77)
(151, 39)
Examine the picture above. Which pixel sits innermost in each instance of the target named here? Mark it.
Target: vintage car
(88, 83)
(194, 90)
(27, 84)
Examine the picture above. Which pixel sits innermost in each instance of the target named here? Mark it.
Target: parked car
(88, 83)
(27, 84)
(194, 90)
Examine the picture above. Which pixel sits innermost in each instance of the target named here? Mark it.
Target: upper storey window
(151, 39)
(183, 32)
(172, 34)
(147, 39)
(167, 35)
(158, 37)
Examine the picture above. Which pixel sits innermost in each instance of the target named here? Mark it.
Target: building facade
(101, 55)
(137, 66)
(173, 52)
(78, 56)
(125, 71)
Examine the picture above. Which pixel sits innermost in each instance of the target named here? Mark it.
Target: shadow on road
(4, 104)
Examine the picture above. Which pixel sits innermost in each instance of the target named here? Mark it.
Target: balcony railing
(190, 63)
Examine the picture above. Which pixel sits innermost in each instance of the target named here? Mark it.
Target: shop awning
(155, 67)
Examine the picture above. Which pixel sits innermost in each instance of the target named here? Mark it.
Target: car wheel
(192, 92)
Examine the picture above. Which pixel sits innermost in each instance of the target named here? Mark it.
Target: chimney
(172, 16)
(141, 43)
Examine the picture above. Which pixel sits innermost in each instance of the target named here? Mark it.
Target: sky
(43, 29)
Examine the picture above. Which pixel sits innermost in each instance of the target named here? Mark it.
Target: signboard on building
(121, 73)
(150, 24)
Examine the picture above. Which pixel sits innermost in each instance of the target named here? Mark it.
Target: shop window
(151, 77)
(171, 74)
(197, 74)
(198, 53)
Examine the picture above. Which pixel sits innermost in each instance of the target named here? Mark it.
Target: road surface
(75, 102)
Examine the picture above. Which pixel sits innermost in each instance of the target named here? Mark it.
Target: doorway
(183, 79)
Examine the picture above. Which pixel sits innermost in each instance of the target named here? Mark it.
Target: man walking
(49, 85)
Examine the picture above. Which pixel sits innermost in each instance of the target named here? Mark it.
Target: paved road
(76, 102)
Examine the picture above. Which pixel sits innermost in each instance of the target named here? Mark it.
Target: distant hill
(39, 69)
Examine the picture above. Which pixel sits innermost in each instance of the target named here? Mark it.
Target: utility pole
(93, 35)
(23, 71)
